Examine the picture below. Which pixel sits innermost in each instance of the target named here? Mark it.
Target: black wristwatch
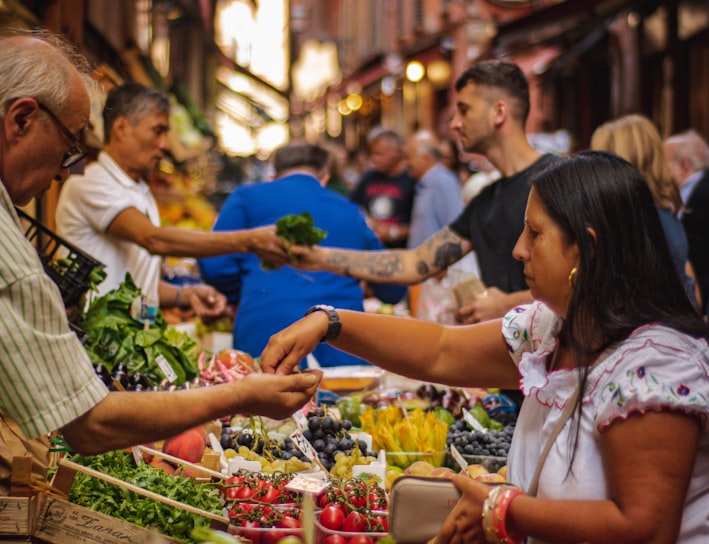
(334, 327)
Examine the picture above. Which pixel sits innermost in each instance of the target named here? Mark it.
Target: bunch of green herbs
(115, 337)
(121, 503)
(299, 230)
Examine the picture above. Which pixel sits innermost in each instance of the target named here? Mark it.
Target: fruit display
(353, 511)
(337, 451)
(406, 436)
(245, 487)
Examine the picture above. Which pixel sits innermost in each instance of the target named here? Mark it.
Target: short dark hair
(132, 101)
(301, 154)
(626, 277)
(504, 76)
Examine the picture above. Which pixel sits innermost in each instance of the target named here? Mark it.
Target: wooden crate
(16, 514)
(61, 522)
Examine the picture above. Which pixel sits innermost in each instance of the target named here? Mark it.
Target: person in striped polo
(47, 381)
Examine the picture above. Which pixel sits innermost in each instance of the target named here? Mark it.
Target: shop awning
(574, 23)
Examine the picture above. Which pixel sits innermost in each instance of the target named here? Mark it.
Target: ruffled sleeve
(657, 369)
(528, 328)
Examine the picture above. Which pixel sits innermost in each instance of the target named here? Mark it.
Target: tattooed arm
(402, 266)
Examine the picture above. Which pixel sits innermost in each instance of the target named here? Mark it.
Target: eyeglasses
(77, 151)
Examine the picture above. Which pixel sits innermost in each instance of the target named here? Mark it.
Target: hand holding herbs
(298, 230)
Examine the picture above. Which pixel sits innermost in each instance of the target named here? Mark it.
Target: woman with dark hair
(611, 444)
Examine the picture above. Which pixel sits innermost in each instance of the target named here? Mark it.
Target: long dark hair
(626, 277)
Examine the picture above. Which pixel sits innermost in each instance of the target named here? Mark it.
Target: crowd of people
(596, 270)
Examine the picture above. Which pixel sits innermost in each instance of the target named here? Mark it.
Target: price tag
(458, 457)
(143, 310)
(307, 484)
(303, 445)
(472, 422)
(166, 368)
(403, 408)
(334, 412)
(300, 420)
(238, 463)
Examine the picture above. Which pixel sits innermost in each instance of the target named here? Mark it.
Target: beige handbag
(418, 506)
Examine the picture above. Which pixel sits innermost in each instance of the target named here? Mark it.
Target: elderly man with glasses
(47, 381)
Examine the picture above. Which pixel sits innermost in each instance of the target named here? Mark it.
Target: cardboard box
(61, 522)
(16, 514)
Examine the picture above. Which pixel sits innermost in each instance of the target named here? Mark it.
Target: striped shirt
(46, 377)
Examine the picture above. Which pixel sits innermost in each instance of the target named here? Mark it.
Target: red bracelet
(500, 516)
(494, 515)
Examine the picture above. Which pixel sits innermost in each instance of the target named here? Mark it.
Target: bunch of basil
(115, 337)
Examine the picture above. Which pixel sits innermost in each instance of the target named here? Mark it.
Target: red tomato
(355, 522)
(247, 531)
(269, 494)
(234, 480)
(332, 517)
(272, 537)
(230, 492)
(335, 539)
(380, 524)
(289, 522)
(247, 492)
(357, 499)
(377, 499)
(360, 539)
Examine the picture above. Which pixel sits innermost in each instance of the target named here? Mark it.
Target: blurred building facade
(250, 74)
(587, 61)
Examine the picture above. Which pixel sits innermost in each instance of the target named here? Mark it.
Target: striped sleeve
(46, 376)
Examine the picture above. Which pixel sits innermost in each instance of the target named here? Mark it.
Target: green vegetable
(204, 534)
(298, 230)
(114, 337)
(120, 503)
(479, 413)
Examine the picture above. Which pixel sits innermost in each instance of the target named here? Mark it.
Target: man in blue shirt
(269, 300)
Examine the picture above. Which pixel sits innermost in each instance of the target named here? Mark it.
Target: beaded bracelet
(494, 515)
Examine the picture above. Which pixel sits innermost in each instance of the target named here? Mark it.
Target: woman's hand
(286, 348)
(464, 523)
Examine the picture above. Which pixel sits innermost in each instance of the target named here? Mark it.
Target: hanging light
(415, 71)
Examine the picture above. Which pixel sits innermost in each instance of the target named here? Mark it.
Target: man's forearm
(386, 266)
(179, 242)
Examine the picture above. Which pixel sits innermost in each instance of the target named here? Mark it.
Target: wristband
(494, 515)
(334, 326)
(178, 296)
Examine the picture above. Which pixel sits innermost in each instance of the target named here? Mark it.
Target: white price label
(474, 423)
(166, 368)
(300, 420)
(403, 408)
(307, 484)
(303, 445)
(458, 457)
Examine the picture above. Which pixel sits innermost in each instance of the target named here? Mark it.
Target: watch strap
(334, 326)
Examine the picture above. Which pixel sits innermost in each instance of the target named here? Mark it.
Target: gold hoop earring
(572, 277)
